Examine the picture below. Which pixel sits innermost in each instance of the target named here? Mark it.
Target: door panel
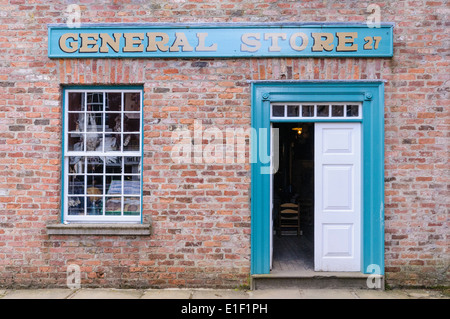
(337, 214)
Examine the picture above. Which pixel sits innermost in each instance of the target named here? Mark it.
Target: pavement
(192, 294)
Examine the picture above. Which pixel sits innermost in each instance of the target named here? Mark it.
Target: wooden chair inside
(289, 218)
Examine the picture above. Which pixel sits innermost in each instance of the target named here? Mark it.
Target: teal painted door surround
(371, 95)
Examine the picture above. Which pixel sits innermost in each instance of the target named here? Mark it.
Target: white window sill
(97, 229)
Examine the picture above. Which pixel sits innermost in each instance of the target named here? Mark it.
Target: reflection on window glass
(337, 110)
(278, 110)
(113, 102)
(131, 142)
(323, 110)
(75, 205)
(76, 185)
(131, 206)
(106, 125)
(76, 122)
(94, 102)
(352, 110)
(307, 110)
(94, 205)
(131, 122)
(76, 142)
(292, 110)
(76, 101)
(132, 164)
(132, 185)
(132, 102)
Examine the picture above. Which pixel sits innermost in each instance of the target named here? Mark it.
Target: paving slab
(99, 293)
(275, 294)
(166, 294)
(425, 294)
(379, 294)
(327, 294)
(37, 294)
(219, 294)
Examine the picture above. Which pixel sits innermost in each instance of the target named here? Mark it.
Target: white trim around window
(102, 155)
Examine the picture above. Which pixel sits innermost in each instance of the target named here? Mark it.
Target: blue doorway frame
(371, 95)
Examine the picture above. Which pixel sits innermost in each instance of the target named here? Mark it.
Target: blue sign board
(221, 40)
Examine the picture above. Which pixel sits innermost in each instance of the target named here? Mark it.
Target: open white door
(337, 212)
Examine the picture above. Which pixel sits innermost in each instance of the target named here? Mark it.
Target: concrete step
(316, 280)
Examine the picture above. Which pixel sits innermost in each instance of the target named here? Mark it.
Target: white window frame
(66, 218)
(315, 115)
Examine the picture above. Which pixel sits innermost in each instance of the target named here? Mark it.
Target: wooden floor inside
(292, 254)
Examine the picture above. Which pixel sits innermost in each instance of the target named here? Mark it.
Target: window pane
(131, 122)
(113, 102)
(94, 184)
(93, 142)
(76, 122)
(113, 122)
(94, 165)
(113, 164)
(352, 110)
(292, 110)
(76, 165)
(112, 142)
(94, 102)
(337, 110)
(131, 206)
(113, 185)
(113, 206)
(75, 205)
(323, 110)
(132, 185)
(94, 205)
(132, 164)
(307, 110)
(76, 101)
(94, 122)
(75, 142)
(76, 185)
(278, 110)
(131, 142)
(132, 101)
(103, 122)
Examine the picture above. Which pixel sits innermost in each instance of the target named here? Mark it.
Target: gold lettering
(154, 45)
(107, 40)
(250, 42)
(73, 46)
(321, 44)
(131, 39)
(88, 42)
(293, 43)
(180, 41)
(274, 47)
(201, 43)
(344, 38)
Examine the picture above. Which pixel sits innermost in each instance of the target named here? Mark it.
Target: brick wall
(201, 212)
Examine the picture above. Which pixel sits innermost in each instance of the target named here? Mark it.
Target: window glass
(103, 155)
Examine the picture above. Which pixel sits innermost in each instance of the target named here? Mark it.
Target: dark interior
(294, 183)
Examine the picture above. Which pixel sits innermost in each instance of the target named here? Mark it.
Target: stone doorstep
(313, 280)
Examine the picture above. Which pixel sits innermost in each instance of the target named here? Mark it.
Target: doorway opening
(293, 199)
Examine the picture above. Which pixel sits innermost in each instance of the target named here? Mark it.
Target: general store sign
(225, 40)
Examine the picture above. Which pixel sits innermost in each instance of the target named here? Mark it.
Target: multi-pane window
(316, 110)
(102, 155)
